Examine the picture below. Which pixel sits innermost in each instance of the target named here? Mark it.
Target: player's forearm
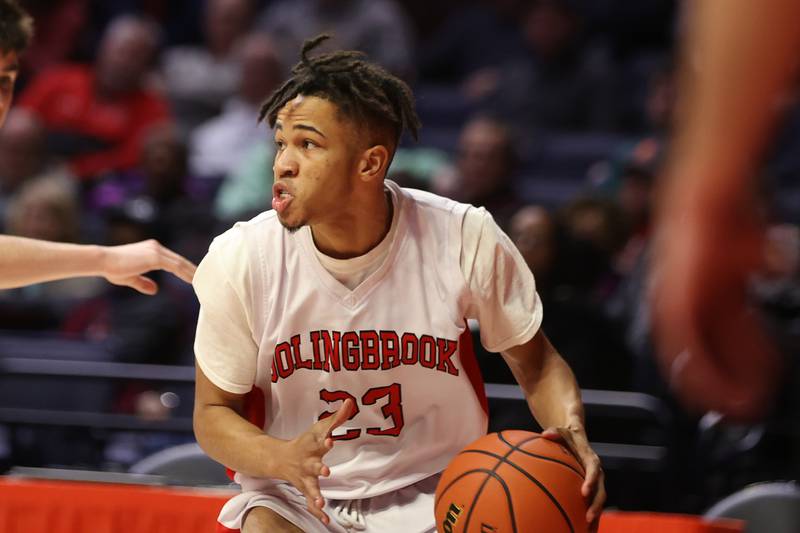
(25, 261)
(236, 443)
(737, 60)
(548, 383)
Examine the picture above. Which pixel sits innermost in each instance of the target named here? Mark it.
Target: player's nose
(285, 165)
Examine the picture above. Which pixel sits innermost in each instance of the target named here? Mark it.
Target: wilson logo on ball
(450, 519)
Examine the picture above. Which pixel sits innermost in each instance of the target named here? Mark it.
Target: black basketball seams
(462, 475)
(492, 474)
(504, 460)
(538, 483)
(489, 473)
(537, 456)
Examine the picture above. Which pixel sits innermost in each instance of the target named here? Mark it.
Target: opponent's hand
(302, 463)
(126, 264)
(593, 488)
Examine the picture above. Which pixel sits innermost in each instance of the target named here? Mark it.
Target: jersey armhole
(219, 381)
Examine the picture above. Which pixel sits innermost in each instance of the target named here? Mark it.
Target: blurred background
(137, 119)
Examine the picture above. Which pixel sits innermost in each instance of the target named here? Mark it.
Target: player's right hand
(126, 264)
(302, 461)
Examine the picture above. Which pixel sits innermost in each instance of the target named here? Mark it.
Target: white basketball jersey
(397, 344)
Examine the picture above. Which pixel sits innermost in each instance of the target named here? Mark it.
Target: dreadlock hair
(363, 92)
(16, 27)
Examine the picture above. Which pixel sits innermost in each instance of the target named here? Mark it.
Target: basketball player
(26, 261)
(335, 373)
(738, 60)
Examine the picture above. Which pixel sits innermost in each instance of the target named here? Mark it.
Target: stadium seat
(766, 507)
(631, 432)
(185, 464)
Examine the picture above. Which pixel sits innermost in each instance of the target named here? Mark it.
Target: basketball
(512, 481)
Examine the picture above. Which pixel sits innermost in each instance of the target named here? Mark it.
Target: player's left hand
(126, 264)
(593, 488)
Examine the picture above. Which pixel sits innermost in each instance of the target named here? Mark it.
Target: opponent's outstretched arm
(740, 60)
(26, 261)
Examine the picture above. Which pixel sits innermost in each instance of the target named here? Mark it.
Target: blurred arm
(26, 261)
(738, 58)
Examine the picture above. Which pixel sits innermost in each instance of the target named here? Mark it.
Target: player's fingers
(176, 264)
(323, 470)
(311, 484)
(314, 500)
(593, 471)
(593, 513)
(594, 526)
(327, 425)
(554, 434)
(142, 284)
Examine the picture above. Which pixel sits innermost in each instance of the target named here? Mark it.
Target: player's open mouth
(281, 197)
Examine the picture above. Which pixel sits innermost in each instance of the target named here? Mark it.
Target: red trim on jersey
(470, 364)
(254, 412)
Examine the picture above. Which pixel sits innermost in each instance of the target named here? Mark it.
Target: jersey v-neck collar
(393, 239)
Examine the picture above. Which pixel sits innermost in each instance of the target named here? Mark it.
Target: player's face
(315, 162)
(9, 67)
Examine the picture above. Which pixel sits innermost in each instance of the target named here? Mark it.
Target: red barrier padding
(29, 506)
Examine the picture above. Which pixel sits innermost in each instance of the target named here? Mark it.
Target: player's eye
(309, 144)
(279, 144)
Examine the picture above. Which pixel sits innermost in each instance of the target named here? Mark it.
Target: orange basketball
(512, 481)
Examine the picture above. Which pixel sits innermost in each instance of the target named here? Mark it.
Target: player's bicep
(527, 358)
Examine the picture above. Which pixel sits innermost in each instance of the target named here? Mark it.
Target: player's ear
(374, 162)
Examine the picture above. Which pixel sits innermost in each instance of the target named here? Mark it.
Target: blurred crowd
(138, 119)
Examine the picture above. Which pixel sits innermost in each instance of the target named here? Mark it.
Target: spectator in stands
(628, 180)
(59, 26)
(161, 173)
(162, 184)
(221, 143)
(24, 155)
(47, 209)
(594, 231)
(533, 230)
(96, 117)
(248, 189)
(25, 261)
(484, 169)
(199, 79)
(562, 84)
(135, 328)
(562, 251)
(380, 28)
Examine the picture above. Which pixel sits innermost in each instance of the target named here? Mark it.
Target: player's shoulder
(468, 215)
(248, 234)
(428, 201)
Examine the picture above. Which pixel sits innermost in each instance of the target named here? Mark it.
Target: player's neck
(357, 230)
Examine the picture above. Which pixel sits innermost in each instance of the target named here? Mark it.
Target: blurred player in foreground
(27, 261)
(739, 58)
